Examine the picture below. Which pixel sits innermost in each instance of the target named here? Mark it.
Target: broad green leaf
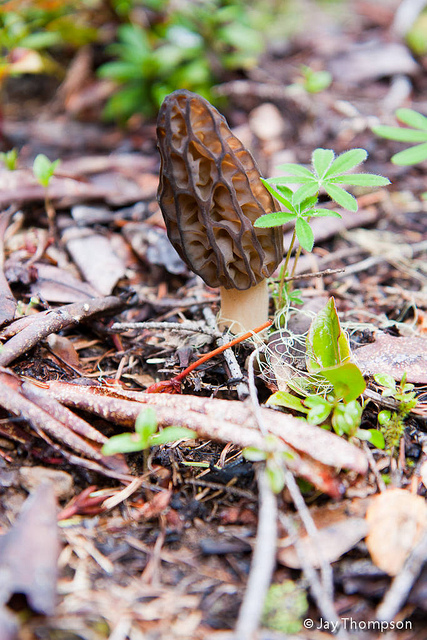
(322, 160)
(385, 380)
(171, 434)
(305, 192)
(341, 197)
(319, 409)
(373, 436)
(346, 161)
(274, 219)
(361, 180)
(327, 345)
(295, 170)
(346, 418)
(285, 399)
(401, 134)
(122, 443)
(347, 380)
(412, 118)
(304, 234)
(146, 424)
(414, 155)
(253, 454)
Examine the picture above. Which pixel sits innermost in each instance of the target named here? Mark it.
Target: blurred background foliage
(148, 48)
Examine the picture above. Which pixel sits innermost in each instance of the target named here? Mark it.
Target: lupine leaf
(304, 234)
(322, 160)
(346, 161)
(341, 197)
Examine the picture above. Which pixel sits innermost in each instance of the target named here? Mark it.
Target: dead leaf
(397, 519)
(29, 553)
(394, 356)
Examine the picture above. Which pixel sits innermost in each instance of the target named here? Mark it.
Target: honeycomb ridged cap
(210, 194)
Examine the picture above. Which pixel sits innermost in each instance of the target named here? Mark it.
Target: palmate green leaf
(412, 118)
(361, 180)
(341, 197)
(401, 134)
(304, 234)
(414, 155)
(327, 345)
(325, 213)
(305, 192)
(347, 380)
(283, 199)
(322, 160)
(274, 219)
(295, 170)
(346, 161)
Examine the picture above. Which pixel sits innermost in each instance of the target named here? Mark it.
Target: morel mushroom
(210, 194)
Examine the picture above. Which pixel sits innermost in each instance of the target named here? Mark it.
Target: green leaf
(276, 476)
(285, 399)
(171, 434)
(325, 213)
(123, 443)
(43, 169)
(276, 194)
(322, 160)
(305, 192)
(146, 424)
(341, 197)
(254, 455)
(319, 409)
(346, 161)
(385, 380)
(412, 118)
(414, 155)
(347, 380)
(373, 436)
(304, 234)
(361, 180)
(346, 418)
(384, 417)
(274, 219)
(327, 346)
(295, 170)
(400, 134)
(284, 191)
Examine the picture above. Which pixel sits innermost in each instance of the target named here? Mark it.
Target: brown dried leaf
(397, 519)
(394, 356)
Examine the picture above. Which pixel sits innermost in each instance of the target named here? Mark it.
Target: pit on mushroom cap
(210, 195)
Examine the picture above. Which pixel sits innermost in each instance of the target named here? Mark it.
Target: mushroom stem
(243, 310)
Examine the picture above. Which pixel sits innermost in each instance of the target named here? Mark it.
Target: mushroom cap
(210, 194)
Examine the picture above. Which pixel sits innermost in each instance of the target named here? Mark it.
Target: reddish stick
(174, 385)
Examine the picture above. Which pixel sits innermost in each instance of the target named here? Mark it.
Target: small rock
(31, 477)
(266, 122)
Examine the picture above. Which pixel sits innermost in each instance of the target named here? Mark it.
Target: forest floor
(160, 548)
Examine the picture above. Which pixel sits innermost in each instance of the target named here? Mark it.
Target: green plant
(328, 174)
(415, 131)
(43, 170)
(334, 384)
(10, 159)
(274, 458)
(145, 435)
(285, 604)
(314, 81)
(393, 422)
(189, 49)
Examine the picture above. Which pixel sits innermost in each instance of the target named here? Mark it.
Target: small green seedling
(335, 383)
(10, 159)
(43, 170)
(415, 131)
(393, 422)
(329, 174)
(314, 81)
(274, 458)
(284, 606)
(145, 435)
